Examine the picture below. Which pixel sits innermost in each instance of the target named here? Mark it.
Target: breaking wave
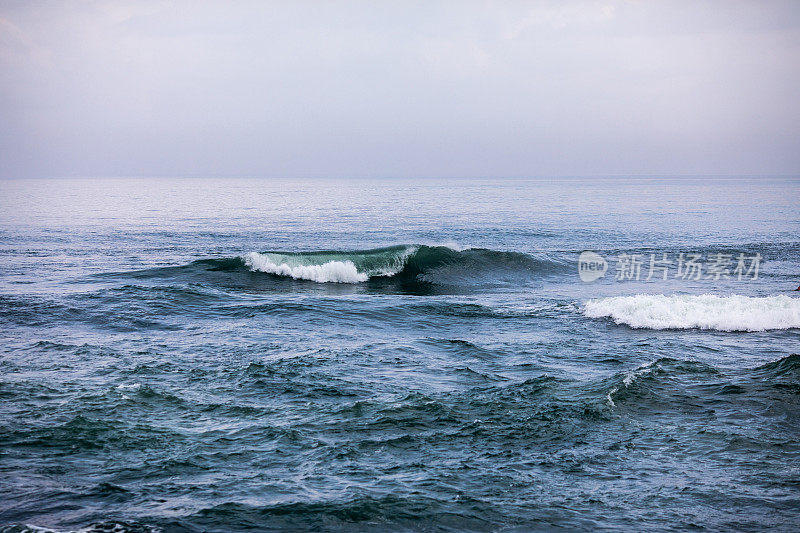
(707, 311)
(330, 271)
(420, 263)
(338, 267)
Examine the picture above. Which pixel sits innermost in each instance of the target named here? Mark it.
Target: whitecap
(707, 311)
(330, 271)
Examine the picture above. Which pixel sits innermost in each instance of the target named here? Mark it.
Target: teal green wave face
(421, 263)
(386, 261)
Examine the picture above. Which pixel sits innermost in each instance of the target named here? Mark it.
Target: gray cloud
(399, 88)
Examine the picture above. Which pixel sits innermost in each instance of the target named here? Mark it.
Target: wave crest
(707, 311)
(331, 266)
(330, 271)
(421, 263)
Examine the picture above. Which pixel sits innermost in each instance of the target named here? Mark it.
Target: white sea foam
(30, 528)
(331, 271)
(129, 386)
(707, 311)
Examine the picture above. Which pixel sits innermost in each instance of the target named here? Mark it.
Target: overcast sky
(380, 88)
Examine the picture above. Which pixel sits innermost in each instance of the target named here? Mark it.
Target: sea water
(378, 355)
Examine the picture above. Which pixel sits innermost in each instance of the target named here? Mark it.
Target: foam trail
(707, 311)
(330, 271)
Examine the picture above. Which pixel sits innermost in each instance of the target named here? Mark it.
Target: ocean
(187, 355)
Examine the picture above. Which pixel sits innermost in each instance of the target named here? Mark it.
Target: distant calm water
(399, 355)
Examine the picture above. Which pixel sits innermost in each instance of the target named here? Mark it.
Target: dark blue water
(231, 355)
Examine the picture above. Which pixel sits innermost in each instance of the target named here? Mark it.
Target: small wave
(630, 377)
(707, 311)
(655, 371)
(786, 365)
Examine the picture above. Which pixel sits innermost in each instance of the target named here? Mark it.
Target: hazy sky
(380, 88)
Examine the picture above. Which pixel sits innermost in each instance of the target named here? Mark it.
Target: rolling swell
(407, 263)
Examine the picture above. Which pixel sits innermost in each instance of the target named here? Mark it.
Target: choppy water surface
(229, 355)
